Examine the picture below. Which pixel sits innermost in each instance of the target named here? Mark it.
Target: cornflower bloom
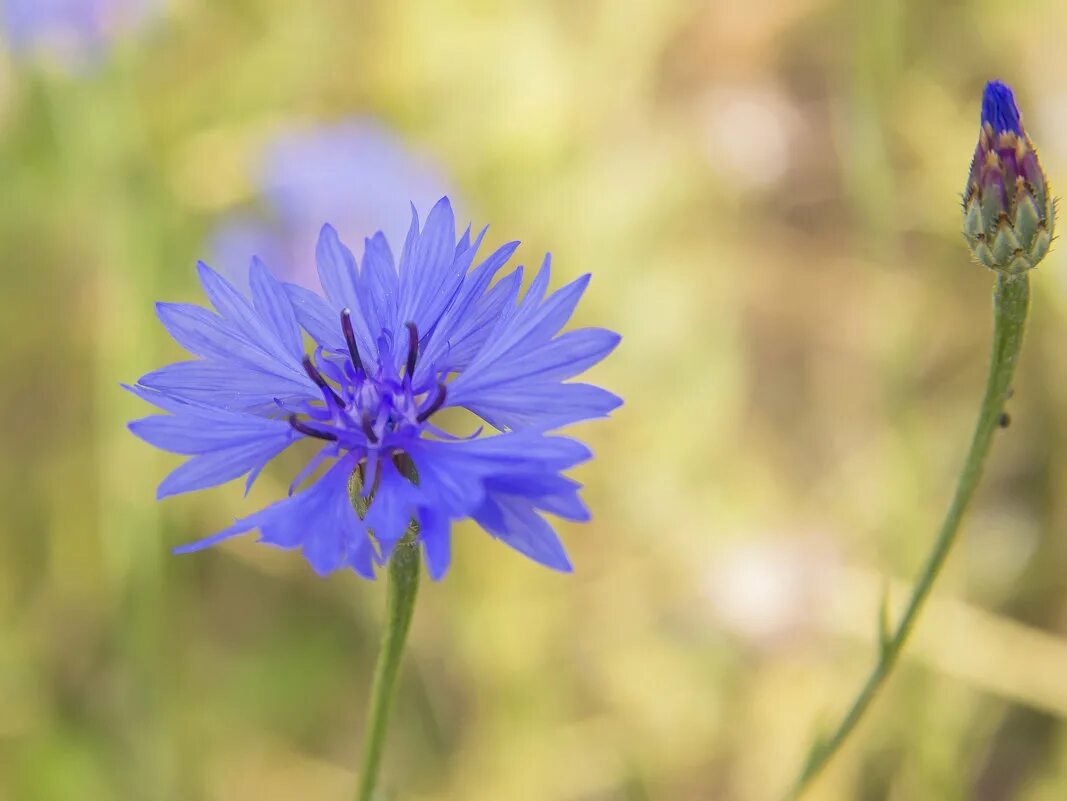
(394, 345)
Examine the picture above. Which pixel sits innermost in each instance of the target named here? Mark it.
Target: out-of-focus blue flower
(355, 175)
(72, 32)
(394, 346)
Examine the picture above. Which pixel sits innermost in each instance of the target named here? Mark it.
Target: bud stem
(1011, 302)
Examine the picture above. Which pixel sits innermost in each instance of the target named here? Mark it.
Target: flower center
(362, 409)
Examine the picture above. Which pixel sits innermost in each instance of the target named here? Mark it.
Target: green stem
(1011, 301)
(403, 585)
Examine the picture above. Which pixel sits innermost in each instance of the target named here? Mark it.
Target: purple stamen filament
(316, 376)
(350, 338)
(368, 427)
(413, 348)
(308, 431)
(437, 403)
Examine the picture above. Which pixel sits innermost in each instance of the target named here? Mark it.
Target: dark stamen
(438, 402)
(308, 431)
(368, 428)
(350, 338)
(413, 347)
(316, 376)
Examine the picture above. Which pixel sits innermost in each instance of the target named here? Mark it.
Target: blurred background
(767, 194)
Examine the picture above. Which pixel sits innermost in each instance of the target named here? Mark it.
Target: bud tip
(999, 109)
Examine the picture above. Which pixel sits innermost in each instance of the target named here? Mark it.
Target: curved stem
(1011, 301)
(403, 585)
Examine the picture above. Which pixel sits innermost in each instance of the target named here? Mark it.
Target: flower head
(1008, 211)
(394, 345)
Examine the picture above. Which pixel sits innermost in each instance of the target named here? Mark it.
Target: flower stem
(1011, 301)
(403, 585)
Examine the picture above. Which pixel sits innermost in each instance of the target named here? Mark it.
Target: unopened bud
(1008, 210)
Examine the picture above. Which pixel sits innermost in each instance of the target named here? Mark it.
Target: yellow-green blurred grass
(766, 194)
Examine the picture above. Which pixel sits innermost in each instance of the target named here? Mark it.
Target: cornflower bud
(1008, 211)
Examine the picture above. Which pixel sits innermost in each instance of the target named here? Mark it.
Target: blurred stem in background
(865, 117)
(403, 585)
(1011, 302)
(100, 141)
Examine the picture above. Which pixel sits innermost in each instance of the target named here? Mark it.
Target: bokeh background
(767, 195)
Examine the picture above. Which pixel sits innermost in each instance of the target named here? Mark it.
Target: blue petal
(568, 506)
(514, 378)
(379, 285)
(515, 523)
(324, 548)
(561, 358)
(501, 482)
(471, 333)
(274, 306)
(317, 317)
(555, 360)
(199, 331)
(429, 271)
(453, 476)
(551, 493)
(226, 386)
(197, 433)
(205, 334)
(172, 403)
(449, 480)
(472, 313)
(321, 519)
(551, 315)
(219, 466)
(526, 447)
(235, 308)
(214, 539)
(547, 405)
(464, 242)
(534, 322)
(408, 250)
(429, 317)
(436, 537)
(361, 558)
(337, 269)
(391, 511)
(345, 289)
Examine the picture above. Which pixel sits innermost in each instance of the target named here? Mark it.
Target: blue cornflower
(393, 346)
